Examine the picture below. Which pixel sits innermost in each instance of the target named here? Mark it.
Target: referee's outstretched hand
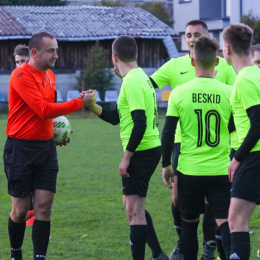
(167, 174)
(232, 169)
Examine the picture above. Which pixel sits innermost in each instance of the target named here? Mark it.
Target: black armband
(168, 134)
(253, 134)
(110, 116)
(138, 130)
(231, 125)
(153, 82)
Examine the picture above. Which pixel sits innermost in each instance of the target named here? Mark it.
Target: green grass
(89, 200)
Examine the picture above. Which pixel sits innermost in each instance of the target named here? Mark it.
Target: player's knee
(236, 223)
(18, 215)
(43, 211)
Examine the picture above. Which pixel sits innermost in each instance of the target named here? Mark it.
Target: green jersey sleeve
(248, 93)
(172, 109)
(134, 94)
(162, 76)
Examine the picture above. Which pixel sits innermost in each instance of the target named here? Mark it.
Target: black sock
(209, 224)
(176, 219)
(226, 238)
(220, 249)
(151, 238)
(16, 235)
(240, 245)
(40, 238)
(189, 240)
(137, 241)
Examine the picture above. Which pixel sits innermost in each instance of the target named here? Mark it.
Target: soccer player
(176, 72)
(244, 168)
(137, 114)
(21, 55)
(30, 157)
(203, 109)
(255, 54)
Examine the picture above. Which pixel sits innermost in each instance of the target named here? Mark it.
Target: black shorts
(30, 165)
(141, 168)
(232, 153)
(193, 189)
(246, 182)
(175, 157)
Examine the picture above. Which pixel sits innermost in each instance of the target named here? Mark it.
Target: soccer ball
(61, 129)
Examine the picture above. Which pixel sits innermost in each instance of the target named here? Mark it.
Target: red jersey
(32, 104)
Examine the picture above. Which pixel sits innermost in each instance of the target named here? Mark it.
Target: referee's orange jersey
(32, 104)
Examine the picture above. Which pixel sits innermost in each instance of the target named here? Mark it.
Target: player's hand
(232, 169)
(89, 98)
(67, 141)
(117, 73)
(123, 168)
(167, 174)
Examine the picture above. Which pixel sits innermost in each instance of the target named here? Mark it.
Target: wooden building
(78, 27)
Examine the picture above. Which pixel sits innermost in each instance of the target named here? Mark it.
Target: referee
(30, 156)
(137, 114)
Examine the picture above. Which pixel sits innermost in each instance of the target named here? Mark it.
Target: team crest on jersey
(215, 73)
(19, 75)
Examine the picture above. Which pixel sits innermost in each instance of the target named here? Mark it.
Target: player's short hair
(239, 37)
(205, 52)
(197, 22)
(21, 50)
(125, 48)
(254, 48)
(36, 40)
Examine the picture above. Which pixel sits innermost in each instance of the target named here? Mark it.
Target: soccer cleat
(208, 250)
(162, 256)
(16, 258)
(176, 254)
(30, 221)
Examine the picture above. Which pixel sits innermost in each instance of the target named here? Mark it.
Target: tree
(34, 2)
(254, 23)
(111, 3)
(96, 75)
(159, 10)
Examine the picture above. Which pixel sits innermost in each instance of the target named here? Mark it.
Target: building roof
(80, 23)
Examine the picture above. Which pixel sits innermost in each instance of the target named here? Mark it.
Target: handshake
(88, 97)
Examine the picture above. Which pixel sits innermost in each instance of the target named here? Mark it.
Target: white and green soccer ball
(61, 129)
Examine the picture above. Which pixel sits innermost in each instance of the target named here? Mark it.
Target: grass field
(89, 200)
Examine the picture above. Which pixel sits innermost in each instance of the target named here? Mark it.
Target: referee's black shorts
(192, 190)
(30, 165)
(141, 168)
(246, 182)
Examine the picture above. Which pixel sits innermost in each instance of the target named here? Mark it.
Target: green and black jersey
(179, 71)
(203, 108)
(137, 93)
(245, 94)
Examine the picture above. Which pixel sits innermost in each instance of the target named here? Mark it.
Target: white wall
(184, 13)
(235, 11)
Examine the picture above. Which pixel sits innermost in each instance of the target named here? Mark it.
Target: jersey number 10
(208, 115)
